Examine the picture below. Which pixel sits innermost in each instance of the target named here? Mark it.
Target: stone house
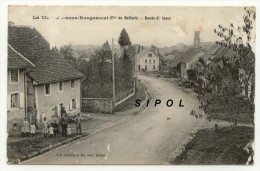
(148, 61)
(51, 84)
(18, 67)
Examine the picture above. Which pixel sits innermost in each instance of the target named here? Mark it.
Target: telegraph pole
(113, 78)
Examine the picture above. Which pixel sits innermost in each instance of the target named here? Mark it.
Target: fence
(105, 105)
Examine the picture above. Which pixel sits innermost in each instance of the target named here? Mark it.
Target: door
(60, 109)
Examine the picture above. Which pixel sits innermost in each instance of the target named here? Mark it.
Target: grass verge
(222, 147)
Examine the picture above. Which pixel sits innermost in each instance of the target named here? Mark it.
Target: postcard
(130, 85)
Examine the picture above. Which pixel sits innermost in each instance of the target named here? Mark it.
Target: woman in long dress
(45, 125)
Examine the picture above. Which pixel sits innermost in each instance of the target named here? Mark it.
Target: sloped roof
(187, 56)
(213, 50)
(16, 60)
(142, 53)
(49, 65)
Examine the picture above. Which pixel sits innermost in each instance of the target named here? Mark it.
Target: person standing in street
(78, 124)
(56, 129)
(45, 125)
(33, 130)
(51, 131)
(64, 124)
(25, 128)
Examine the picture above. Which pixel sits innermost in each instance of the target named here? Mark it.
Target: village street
(147, 139)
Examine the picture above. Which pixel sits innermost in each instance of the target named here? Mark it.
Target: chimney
(197, 39)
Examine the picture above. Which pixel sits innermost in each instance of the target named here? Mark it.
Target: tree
(127, 68)
(124, 39)
(66, 53)
(242, 40)
(102, 62)
(126, 59)
(228, 74)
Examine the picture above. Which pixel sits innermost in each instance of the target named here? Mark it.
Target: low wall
(97, 105)
(105, 105)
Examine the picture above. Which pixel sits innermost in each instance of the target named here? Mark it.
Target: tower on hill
(197, 39)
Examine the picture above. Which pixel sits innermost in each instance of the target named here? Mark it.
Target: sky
(179, 29)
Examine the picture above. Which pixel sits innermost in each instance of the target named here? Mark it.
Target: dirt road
(148, 139)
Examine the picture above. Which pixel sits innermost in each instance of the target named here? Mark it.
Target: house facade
(51, 97)
(18, 66)
(148, 61)
(49, 85)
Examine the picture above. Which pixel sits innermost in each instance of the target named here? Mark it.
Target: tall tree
(241, 39)
(102, 62)
(124, 39)
(127, 68)
(125, 60)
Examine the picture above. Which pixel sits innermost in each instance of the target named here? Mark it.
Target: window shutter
(70, 105)
(8, 102)
(21, 102)
(76, 103)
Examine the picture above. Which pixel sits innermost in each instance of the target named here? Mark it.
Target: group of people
(27, 129)
(52, 129)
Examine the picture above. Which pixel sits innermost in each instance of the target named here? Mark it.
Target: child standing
(51, 131)
(56, 129)
(69, 131)
(25, 127)
(33, 129)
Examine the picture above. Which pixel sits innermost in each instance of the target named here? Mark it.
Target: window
(154, 61)
(154, 67)
(72, 83)
(146, 61)
(47, 88)
(150, 55)
(14, 74)
(145, 67)
(73, 104)
(149, 61)
(15, 100)
(60, 86)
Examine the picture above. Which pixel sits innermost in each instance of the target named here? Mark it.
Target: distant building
(188, 58)
(150, 60)
(50, 84)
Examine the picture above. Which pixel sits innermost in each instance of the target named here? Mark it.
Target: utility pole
(135, 72)
(113, 78)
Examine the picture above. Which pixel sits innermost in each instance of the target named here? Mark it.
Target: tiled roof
(49, 66)
(213, 50)
(16, 60)
(187, 56)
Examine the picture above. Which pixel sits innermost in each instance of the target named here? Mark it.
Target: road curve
(148, 139)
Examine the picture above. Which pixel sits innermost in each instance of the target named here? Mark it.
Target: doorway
(60, 110)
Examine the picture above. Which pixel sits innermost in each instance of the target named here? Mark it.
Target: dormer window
(150, 55)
